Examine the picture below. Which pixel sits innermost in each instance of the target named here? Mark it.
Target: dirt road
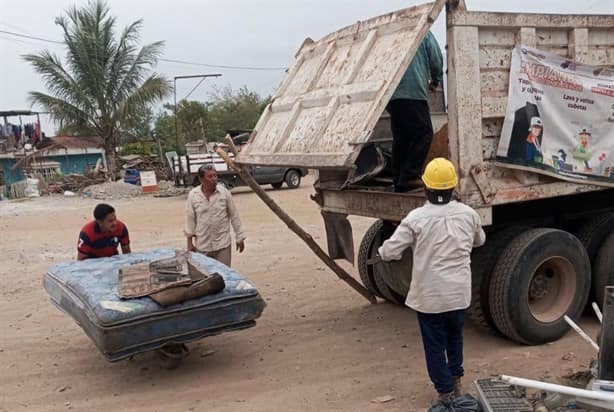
(319, 346)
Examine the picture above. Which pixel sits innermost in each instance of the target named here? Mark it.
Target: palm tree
(104, 80)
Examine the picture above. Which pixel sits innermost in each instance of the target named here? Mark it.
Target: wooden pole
(293, 226)
(606, 354)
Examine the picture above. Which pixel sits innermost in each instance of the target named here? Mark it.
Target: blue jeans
(442, 337)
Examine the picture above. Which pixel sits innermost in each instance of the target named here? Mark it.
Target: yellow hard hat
(440, 174)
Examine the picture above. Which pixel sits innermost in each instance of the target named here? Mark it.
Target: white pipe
(598, 312)
(581, 332)
(551, 387)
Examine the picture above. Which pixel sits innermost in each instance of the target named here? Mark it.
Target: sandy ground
(319, 346)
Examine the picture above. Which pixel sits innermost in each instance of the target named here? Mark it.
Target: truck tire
(483, 261)
(365, 252)
(384, 278)
(540, 276)
(603, 269)
(293, 179)
(381, 277)
(592, 234)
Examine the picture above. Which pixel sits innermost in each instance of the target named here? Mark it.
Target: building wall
(75, 163)
(10, 176)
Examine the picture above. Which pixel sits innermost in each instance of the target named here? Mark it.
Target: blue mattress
(88, 291)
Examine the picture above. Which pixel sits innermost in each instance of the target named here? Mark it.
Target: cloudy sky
(252, 33)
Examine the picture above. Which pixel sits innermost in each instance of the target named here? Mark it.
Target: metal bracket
(481, 180)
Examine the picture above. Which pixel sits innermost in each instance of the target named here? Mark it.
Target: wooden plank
(527, 36)
(601, 37)
(323, 63)
(523, 193)
(551, 37)
(494, 81)
(362, 56)
(489, 148)
(465, 110)
(601, 56)
(578, 45)
(494, 36)
(556, 21)
(492, 127)
(494, 106)
(495, 57)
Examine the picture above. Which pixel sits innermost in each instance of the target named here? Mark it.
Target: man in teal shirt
(410, 118)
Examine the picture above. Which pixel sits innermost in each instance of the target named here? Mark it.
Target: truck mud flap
(339, 236)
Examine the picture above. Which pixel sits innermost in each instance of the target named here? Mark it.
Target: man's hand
(241, 246)
(191, 247)
(433, 86)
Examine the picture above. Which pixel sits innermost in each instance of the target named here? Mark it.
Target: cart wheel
(172, 355)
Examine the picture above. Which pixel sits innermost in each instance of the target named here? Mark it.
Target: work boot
(458, 387)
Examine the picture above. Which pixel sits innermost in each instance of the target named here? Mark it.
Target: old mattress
(88, 292)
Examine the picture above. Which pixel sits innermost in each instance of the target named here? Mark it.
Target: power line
(220, 66)
(213, 66)
(25, 36)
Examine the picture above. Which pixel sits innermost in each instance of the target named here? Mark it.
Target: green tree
(225, 110)
(105, 79)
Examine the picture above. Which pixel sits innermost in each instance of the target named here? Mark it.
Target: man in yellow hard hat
(441, 234)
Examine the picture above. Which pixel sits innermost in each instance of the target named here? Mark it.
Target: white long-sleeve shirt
(441, 237)
(209, 220)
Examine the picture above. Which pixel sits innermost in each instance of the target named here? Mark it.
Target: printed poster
(559, 119)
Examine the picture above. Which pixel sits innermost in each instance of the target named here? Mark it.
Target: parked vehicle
(544, 234)
(274, 175)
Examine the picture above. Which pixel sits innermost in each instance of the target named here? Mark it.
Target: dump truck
(544, 235)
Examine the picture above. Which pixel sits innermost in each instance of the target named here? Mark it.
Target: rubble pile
(145, 162)
(168, 189)
(112, 190)
(74, 182)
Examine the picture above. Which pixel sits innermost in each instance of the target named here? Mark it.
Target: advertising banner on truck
(559, 119)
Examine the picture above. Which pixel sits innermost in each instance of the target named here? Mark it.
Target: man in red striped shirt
(102, 236)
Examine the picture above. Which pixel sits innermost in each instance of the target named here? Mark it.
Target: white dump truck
(546, 236)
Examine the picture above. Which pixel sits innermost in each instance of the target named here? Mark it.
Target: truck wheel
(366, 251)
(389, 280)
(603, 269)
(381, 276)
(592, 234)
(293, 179)
(276, 185)
(540, 276)
(483, 261)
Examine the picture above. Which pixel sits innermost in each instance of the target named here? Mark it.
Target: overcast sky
(259, 33)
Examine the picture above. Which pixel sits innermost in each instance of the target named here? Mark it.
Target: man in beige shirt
(210, 211)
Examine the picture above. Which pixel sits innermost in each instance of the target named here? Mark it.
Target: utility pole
(195, 76)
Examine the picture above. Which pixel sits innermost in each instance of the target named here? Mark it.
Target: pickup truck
(547, 238)
(265, 175)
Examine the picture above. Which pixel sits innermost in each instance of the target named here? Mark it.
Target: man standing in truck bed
(410, 118)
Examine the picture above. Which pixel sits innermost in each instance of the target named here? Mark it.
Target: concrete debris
(112, 190)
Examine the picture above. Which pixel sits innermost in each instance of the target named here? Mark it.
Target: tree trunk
(109, 148)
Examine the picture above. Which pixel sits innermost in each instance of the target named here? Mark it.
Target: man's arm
(190, 223)
(124, 240)
(435, 60)
(480, 236)
(83, 246)
(235, 221)
(393, 248)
